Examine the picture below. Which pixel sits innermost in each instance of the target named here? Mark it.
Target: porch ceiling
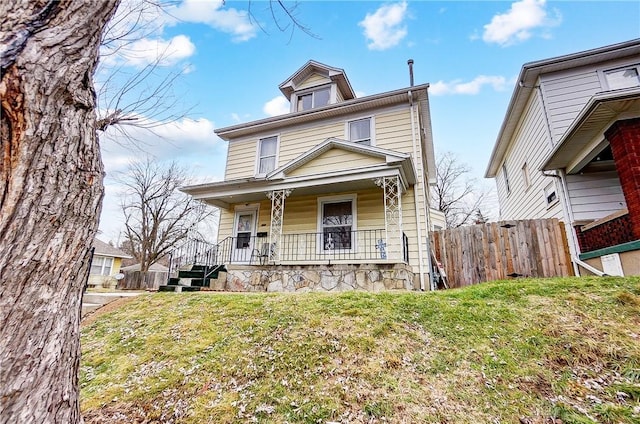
(227, 193)
(585, 137)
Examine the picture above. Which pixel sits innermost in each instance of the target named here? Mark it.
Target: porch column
(277, 213)
(392, 216)
(624, 138)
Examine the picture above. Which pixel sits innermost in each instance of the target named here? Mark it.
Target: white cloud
(473, 87)
(276, 106)
(167, 52)
(517, 24)
(177, 140)
(190, 142)
(384, 28)
(211, 13)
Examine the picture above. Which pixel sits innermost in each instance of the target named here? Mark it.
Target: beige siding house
(331, 196)
(569, 148)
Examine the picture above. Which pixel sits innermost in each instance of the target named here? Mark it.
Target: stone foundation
(290, 278)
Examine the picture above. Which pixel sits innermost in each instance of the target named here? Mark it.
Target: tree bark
(50, 199)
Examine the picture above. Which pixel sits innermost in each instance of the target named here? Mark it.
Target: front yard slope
(520, 351)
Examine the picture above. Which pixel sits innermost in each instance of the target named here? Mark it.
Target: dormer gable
(315, 85)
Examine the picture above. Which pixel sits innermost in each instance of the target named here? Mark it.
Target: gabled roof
(390, 156)
(225, 193)
(105, 249)
(528, 78)
(312, 67)
(359, 105)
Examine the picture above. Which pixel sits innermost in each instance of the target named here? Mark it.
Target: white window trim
(548, 189)
(102, 265)
(602, 75)
(372, 126)
(312, 90)
(354, 226)
(257, 160)
(526, 176)
(505, 178)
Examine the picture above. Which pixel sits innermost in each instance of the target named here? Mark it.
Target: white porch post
(277, 213)
(392, 215)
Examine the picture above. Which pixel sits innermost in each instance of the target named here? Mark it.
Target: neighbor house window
(550, 194)
(506, 178)
(359, 131)
(267, 151)
(337, 219)
(623, 78)
(314, 99)
(525, 176)
(101, 265)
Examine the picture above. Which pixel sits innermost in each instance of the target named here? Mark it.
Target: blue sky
(231, 58)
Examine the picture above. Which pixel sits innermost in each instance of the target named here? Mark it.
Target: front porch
(356, 260)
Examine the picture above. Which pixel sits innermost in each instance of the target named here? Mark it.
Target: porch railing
(326, 247)
(360, 245)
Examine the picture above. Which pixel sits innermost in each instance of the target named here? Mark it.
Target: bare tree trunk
(50, 198)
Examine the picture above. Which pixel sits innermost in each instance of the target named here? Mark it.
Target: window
(623, 78)
(359, 131)
(267, 150)
(550, 194)
(314, 99)
(337, 224)
(101, 265)
(525, 176)
(506, 178)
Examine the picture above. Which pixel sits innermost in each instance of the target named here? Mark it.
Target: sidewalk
(94, 300)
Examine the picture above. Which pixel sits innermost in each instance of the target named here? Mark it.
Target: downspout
(568, 216)
(415, 194)
(566, 206)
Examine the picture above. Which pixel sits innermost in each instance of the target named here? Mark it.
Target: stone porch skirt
(306, 278)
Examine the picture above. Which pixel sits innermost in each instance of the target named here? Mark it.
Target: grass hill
(520, 351)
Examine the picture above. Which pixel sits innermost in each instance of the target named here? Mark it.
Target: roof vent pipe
(410, 63)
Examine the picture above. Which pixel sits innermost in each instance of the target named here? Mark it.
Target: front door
(244, 233)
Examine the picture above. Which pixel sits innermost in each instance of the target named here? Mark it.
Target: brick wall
(610, 233)
(624, 138)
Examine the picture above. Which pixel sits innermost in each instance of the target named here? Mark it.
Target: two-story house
(569, 148)
(331, 196)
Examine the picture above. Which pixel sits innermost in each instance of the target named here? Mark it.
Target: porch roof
(585, 137)
(225, 193)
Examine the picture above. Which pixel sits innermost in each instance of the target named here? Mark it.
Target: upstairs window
(359, 131)
(525, 176)
(506, 178)
(267, 151)
(623, 77)
(314, 99)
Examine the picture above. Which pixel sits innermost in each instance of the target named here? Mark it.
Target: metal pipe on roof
(410, 63)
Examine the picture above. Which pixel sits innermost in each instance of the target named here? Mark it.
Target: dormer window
(313, 99)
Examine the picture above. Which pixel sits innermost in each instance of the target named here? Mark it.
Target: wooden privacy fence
(137, 280)
(500, 250)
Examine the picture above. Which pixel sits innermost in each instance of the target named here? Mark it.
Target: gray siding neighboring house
(556, 155)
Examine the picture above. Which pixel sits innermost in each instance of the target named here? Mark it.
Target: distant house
(105, 264)
(333, 195)
(569, 148)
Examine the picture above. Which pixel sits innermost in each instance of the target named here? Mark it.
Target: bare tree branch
(157, 216)
(459, 197)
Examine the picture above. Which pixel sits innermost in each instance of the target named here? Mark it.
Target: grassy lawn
(508, 352)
